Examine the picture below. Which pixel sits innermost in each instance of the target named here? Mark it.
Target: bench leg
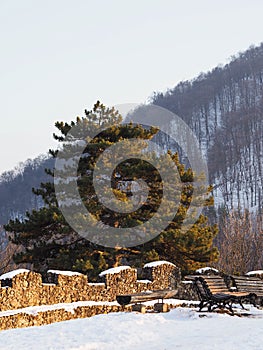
(213, 305)
(230, 307)
(205, 304)
(243, 307)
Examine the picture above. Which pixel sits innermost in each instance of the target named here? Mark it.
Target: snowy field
(181, 328)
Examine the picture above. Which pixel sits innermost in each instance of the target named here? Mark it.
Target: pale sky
(59, 57)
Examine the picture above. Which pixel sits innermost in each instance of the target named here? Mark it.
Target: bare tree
(241, 243)
(7, 250)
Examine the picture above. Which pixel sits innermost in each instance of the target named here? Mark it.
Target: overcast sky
(59, 57)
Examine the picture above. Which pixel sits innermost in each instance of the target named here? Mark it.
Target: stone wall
(23, 288)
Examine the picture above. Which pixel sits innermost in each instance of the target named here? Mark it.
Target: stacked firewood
(162, 274)
(121, 282)
(20, 291)
(25, 288)
(24, 319)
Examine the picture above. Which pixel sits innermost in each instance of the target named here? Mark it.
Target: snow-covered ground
(181, 328)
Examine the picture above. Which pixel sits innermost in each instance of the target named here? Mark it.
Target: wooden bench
(213, 293)
(146, 296)
(249, 285)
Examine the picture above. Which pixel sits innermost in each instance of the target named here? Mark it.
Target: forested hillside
(16, 196)
(224, 108)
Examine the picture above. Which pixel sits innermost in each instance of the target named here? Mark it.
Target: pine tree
(50, 242)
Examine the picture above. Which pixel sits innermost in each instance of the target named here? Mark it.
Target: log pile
(24, 288)
(122, 282)
(186, 291)
(68, 286)
(161, 274)
(25, 319)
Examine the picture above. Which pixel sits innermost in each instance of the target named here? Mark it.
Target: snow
(233, 289)
(258, 272)
(157, 263)
(181, 328)
(205, 269)
(186, 282)
(114, 270)
(65, 273)
(13, 273)
(144, 281)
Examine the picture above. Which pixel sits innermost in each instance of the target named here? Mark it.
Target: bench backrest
(213, 285)
(248, 284)
(201, 289)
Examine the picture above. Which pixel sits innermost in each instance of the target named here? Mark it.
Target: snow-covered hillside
(224, 108)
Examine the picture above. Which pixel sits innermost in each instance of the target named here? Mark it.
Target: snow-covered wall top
(65, 273)
(13, 273)
(114, 270)
(157, 263)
